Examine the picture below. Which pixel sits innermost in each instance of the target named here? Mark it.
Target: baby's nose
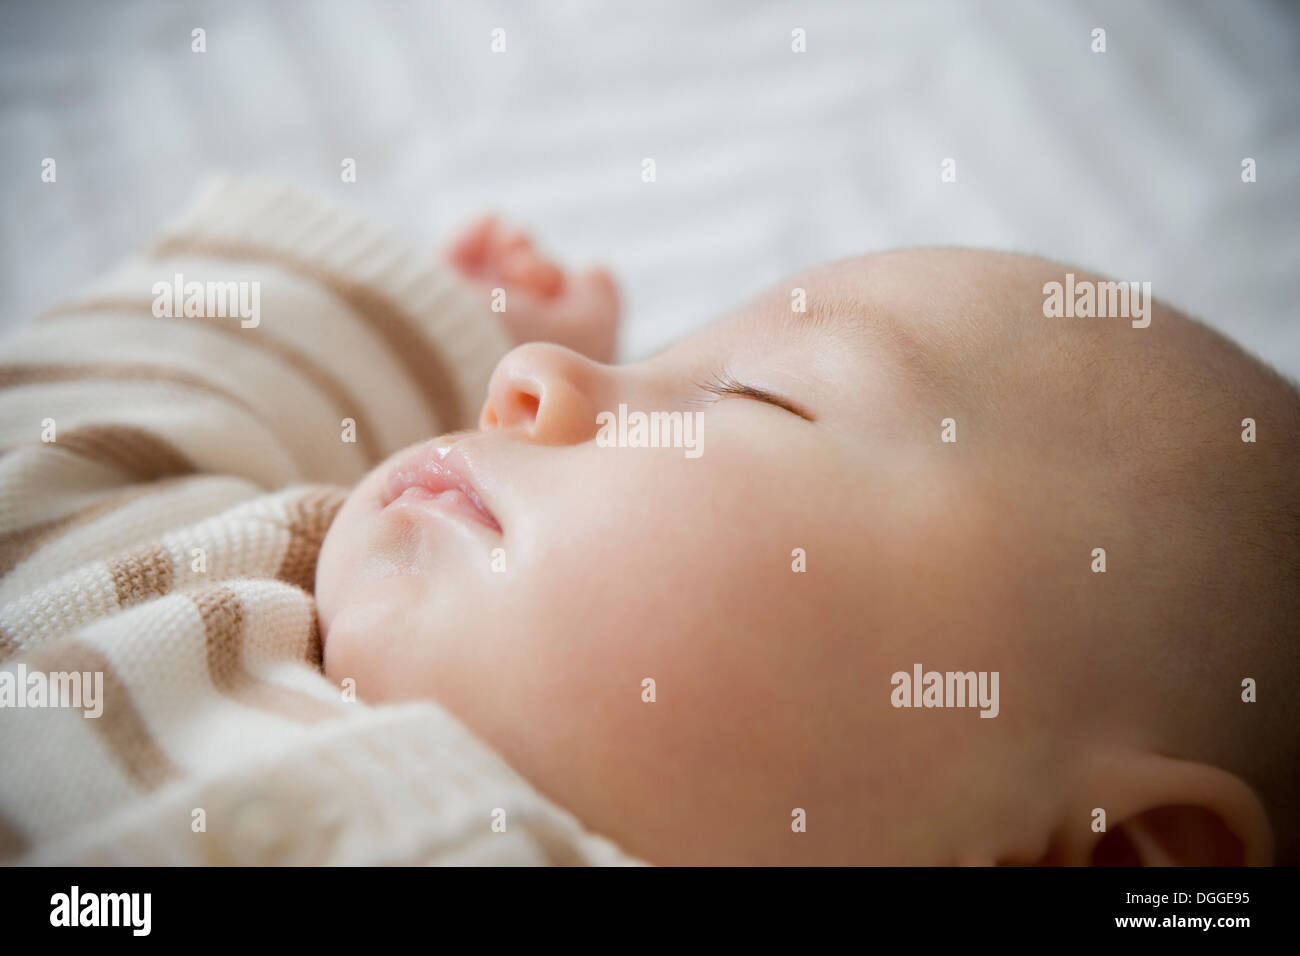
(546, 391)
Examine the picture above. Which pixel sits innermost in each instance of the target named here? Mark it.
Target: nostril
(515, 408)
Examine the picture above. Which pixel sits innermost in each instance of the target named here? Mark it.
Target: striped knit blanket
(169, 470)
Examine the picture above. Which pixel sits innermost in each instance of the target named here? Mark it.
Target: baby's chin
(354, 632)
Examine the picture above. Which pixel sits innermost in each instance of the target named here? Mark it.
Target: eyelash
(722, 384)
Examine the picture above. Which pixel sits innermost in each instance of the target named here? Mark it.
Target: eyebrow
(907, 350)
(831, 309)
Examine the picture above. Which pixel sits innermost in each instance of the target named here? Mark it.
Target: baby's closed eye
(723, 384)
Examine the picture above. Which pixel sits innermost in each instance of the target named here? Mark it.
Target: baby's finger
(530, 271)
(469, 250)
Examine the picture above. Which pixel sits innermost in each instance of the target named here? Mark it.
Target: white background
(768, 161)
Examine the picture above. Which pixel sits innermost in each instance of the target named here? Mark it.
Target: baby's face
(819, 537)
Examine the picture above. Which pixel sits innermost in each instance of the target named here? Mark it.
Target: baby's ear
(1143, 809)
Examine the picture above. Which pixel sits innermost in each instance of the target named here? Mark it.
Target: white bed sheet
(767, 160)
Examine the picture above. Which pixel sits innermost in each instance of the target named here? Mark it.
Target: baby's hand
(543, 303)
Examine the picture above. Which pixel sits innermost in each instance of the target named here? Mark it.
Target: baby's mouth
(437, 472)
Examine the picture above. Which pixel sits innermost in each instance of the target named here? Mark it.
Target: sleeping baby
(919, 468)
(953, 579)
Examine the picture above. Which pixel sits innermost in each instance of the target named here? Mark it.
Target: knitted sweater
(166, 482)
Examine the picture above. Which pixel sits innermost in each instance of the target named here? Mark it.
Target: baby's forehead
(936, 309)
(979, 323)
(971, 302)
(975, 324)
(927, 288)
(1002, 322)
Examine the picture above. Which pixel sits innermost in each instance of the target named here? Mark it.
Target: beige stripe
(415, 353)
(315, 651)
(136, 451)
(12, 841)
(223, 628)
(18, 546)
(323, 380)
(141, 575)
(121, 725)
(12, 376)
(309, 518)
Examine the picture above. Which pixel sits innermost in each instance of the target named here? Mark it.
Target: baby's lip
(435, 468)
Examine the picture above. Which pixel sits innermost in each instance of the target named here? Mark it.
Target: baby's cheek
(340, 559)
(364, 642)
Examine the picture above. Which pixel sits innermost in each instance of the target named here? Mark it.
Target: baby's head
(825, 533)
